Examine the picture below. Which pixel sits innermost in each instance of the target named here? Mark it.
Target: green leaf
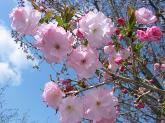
(59, 20)
(132, 17)
(97, 72)
(85, 42)
(137, 47)
(46, 18)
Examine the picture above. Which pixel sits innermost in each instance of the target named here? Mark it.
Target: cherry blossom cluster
(97, 105)
(145, 16)
(79, 49)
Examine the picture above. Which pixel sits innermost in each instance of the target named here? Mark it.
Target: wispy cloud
(12, 59)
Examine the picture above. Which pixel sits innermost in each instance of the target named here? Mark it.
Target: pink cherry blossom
(99, 104)
(84, 60)
(111, 119)
(118, 60)
(156, 66)
(109, 49)
(25, 20)
(52, 95)
(71, 110)
(154, 33)
(97, 27)
(162, 67)
(141, 35)
(55, 43)
(145, 16)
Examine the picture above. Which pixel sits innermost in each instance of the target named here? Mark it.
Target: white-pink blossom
(154, 33)
(84, 60)
(25, 20)
(71, 110)
(97, 27)
(55, 43)
(145, 16)
(100, 104)
(52, 95)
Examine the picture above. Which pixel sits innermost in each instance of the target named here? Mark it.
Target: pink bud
(140, 105)
(120, 37)
(66, 82)
(121, 21)
(79, 34)
(151, 81)
(124, 91)
(122, 68)
(117, 31)
(68, 89)
(118, 60)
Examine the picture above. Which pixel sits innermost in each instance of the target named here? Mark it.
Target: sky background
(26, 83)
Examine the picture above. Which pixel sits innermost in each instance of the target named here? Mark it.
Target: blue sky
(26, 96)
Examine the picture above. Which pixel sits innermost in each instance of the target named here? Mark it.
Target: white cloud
(12, 59)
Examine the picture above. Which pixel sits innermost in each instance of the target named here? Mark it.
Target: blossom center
(83, 61)
(57, 46)
(98, 103)
(94, 30)
(69, 108)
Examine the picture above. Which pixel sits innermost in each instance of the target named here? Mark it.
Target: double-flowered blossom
(25, 20)
(71, 110)
(141, 35)
(158, 66)
(100, 105)
(84, 60)
(145, 16)
(52, 95)
(153, 33)
(96, 27)
(55, 43)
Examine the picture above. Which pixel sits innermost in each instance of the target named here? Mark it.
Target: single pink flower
(84, 60)
(118, 60)
(154, 33)
(100, 103)
(25, 20)
(141, 35)
(97, 28)
(109, 49)
(71, 110)
(145, 16)
(156, 66)
(55, 43)
(162, 68)
(52, 95)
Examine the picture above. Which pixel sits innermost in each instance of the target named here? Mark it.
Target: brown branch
(114, 9)
(142, 83)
